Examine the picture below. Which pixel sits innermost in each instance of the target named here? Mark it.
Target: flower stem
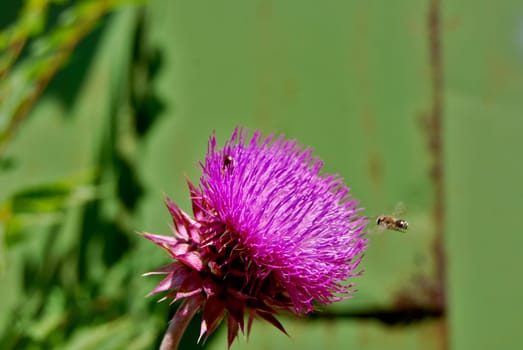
(179, 323)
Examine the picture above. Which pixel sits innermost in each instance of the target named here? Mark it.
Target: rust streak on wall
(436, 149)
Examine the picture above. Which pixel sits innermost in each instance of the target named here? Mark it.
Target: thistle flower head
(269, 233)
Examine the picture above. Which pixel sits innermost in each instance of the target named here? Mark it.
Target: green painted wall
(352, 79)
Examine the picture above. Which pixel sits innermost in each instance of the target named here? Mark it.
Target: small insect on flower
(227, 164)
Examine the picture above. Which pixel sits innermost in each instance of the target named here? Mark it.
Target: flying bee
(389, 222)
(228, 164)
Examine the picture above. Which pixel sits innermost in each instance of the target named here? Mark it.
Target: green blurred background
(105, 106)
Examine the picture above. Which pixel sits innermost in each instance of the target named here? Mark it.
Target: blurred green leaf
(53, 316)
(49, 54)
(118, 334)
(43, 205)
(31, 21)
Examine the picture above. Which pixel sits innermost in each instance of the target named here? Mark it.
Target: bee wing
(400, 209)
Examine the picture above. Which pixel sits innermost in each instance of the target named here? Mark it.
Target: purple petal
(273, 320)
(192, 259)
(213, 313)
(163, 241)
(236, 308)
(232, 330)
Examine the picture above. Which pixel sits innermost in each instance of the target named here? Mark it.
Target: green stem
(178, 324)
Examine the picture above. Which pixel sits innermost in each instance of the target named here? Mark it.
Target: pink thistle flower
(269, 233)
